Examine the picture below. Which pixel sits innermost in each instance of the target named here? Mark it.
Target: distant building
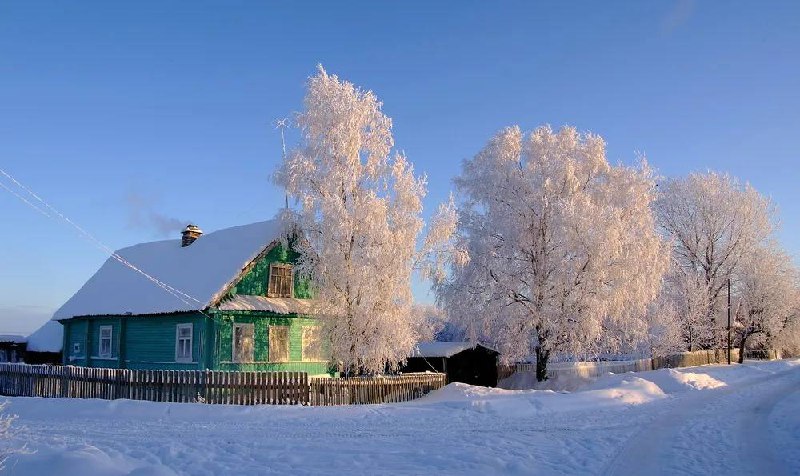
(465, 362)
(243, 307)
(12, 348)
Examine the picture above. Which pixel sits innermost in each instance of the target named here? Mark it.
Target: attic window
(280, 280)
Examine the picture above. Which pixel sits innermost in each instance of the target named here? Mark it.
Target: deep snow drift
(686, 421)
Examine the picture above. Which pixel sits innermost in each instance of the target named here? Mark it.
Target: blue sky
(131, 116)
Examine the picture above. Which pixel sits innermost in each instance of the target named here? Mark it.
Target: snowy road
(720, 431)
(703, 420)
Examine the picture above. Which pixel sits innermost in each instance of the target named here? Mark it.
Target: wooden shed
(466, 362)
(12, 348)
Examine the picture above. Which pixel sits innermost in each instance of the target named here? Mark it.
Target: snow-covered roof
(48, 338)
(202, 270)
(15, 338)
(443, 349)
(261, 303)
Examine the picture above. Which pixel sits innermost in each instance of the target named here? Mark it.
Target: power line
(99, 244)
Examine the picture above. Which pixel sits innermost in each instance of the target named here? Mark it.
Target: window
(76, 348)
(3, 357)
(105, 341)
(278, 343)
(183, 342)
(312, 345)
(243, 342)
(280, 280)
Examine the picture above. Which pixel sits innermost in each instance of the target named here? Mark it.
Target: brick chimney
(189, 234)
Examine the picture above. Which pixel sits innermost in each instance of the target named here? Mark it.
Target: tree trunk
(541, 364)
(741, 347)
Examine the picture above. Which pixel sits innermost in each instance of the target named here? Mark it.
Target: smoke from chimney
(142, 215)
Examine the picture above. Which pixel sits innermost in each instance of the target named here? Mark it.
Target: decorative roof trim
(217, 298)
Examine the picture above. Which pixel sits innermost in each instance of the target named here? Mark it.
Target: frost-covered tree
(788, 341)
(767, 288)
(713, 223)
(686, 293)
(359, 210)
(557, 245)
(662, 328)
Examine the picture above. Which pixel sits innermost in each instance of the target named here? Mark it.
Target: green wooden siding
(256, 280)
(147, 342)
(75, 333)
(261, 322)
(150, 341)
(94, 347)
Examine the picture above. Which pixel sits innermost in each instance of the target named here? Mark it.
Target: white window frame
(317, 358)
(288, 344)
(233, 342)
(76, 348)
(110, 353)
(178, 339)
(291, 279)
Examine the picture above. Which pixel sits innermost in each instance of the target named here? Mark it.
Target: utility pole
(729, 321)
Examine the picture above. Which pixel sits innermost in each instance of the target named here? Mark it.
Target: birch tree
(687, 293)
(713, 223)
(767, 289)
(358, 207)
(557, 245)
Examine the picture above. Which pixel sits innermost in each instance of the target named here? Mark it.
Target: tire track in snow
(712, 432)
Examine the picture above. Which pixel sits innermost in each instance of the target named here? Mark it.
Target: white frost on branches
(7, 433)
(767, 290)
(714, 223)
(359, 211)
(558, 246)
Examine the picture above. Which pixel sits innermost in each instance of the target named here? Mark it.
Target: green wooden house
(226, 300)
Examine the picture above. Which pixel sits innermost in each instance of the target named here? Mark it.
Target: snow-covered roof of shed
(202, 270)
(443, 349)
(48, 338)
(14, 338)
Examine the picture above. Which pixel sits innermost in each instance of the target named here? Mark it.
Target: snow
(742, 419)
(261, 303)
(202, 270)
(14, 338)
(441, 349)
(48, 338)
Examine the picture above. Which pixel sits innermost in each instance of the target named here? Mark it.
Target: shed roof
(202, 270)
(47, 338)
(13, 338)
(444, 349)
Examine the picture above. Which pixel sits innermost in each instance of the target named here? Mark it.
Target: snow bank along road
(702, 420)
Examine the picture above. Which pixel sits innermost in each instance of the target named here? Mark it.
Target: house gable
(254, 281)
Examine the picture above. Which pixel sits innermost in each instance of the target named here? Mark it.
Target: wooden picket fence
(241, 388)
(208, 386)
(377, 389)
